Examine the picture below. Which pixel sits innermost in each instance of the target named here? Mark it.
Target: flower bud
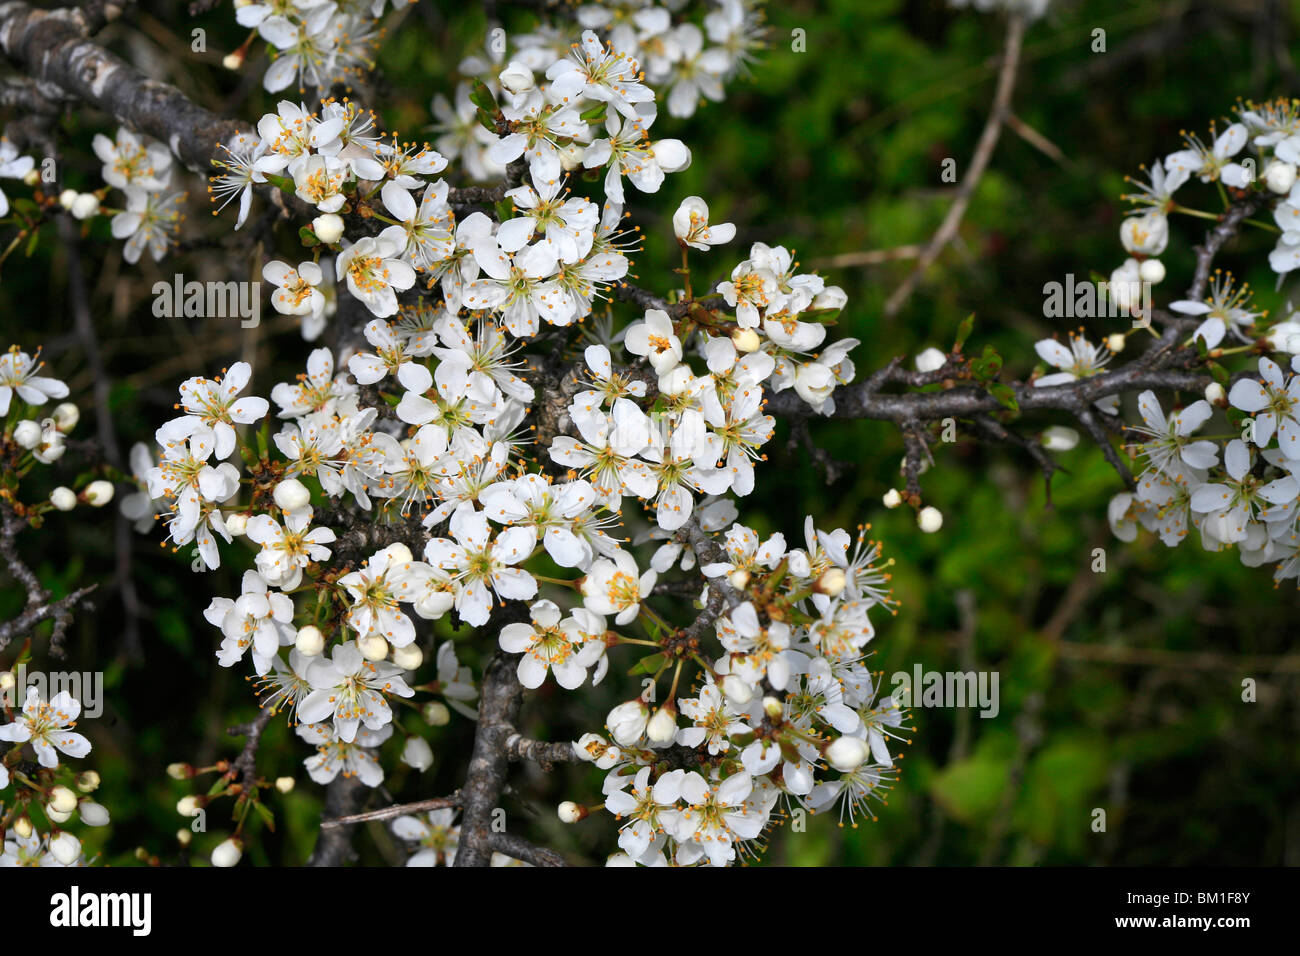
(310, 641)
(1152, 271)
(23, 827)
(676, 380)
(408, 658)
(187, 806)
(62, 799)
(183, 837)
(931, 360)
(773, 708)
(67, 198)
(32, 177)
(7, 681)
(516, 78)
(64, 499)
(627, 721)
(1279, 177)
(99, 493)
(236, 523)
(284, 784)
(1214, 393)
(66, 415)
(328, 228)
(233, 61)
(930, 519)
(746, 340)
(417, 753)
(58, 816)
(180, 771)
(291, 494)
(570, 812)
(227, 853)
(84, 206)
(738, 579)
(27, 433)
(399, 554)
(88, 781)
(65, 848)
(847, 753)
(373, 648)
(831, 582)
(663, 725)
(1059, 438)
(1116, 342)
(736, 689)
(436, 714)
(94, 814)
(892, 498)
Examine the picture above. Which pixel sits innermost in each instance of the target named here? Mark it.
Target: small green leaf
(963, 332)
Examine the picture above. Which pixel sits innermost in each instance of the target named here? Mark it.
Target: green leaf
(1005, 395)
(649, 664)
(482, 97)
(963, 332)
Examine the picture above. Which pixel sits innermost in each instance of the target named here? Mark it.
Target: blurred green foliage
(1120, 691)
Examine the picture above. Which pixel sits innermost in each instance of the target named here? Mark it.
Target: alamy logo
(1086, 299)
(74, 909)
(947, 689)
(85, 687)
(218, 300)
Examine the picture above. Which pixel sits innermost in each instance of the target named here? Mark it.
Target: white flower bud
(832, 582)
(58, 816)
(1152, 271)
(663, 725)
(7, 681)
(65, 499)
(285, 784)
(227, 853)
(310, 641)
(516, 78)
(183, 837)
(408, 658)
(436, 714)
(88, 781)
(1214, 393)
(1279, 177)
(27, 433)
(373, 648)
(179, 771)
(930, 360)
(84, 206)
(399, 553)
(187, 806)
(23, 827)
(1116, 342)
(67, 198)
(94, 814)
(233, 61)
(892, 498)
(773, 707)
(738, 579)
(417, 753)
(66, 415)
(65, 848)
(291, 494)
(737, 690)
(627, 721)
(236, 523)
(676, 380)
(62, 799)
(328, 228)
(746, 340)
(847, 753)
(1059, 438)
(930, 519)
(99, 493)
(32, 177)
(570, 812)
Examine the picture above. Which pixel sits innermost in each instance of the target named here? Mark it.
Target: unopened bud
(62, 799)
(284, 784)
(310, 641)
(27, 434)
(408, 658)
(663, 725)
(64, 499)
(328, 228)
(417, 753)
(32, 177)
(233, 61)
(23, 827)
(187, 806)
(1152, 271)
(67, 198)
(746, 340)
(892, 498)
(931, 360)
(1279, 177)
(66, 415)
(738, 579)
(84, 206)
(291, 494)
(373, 648)
(736, 689)
(99, 493)
(570, 812)
(847, 753)
(65, 848)
(183, 837)
(1116, 342)
(7, 681)
(1214, 393)
(516, 78)
(399, 554)
(227, 853)
(88, 781)
(58, 816)
(236, 523)
(1059, 438)
(773, 708)
(436, 714)
(930, 519)
(180, 771)
(831, 583)
(94, 814)
(676, 380)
